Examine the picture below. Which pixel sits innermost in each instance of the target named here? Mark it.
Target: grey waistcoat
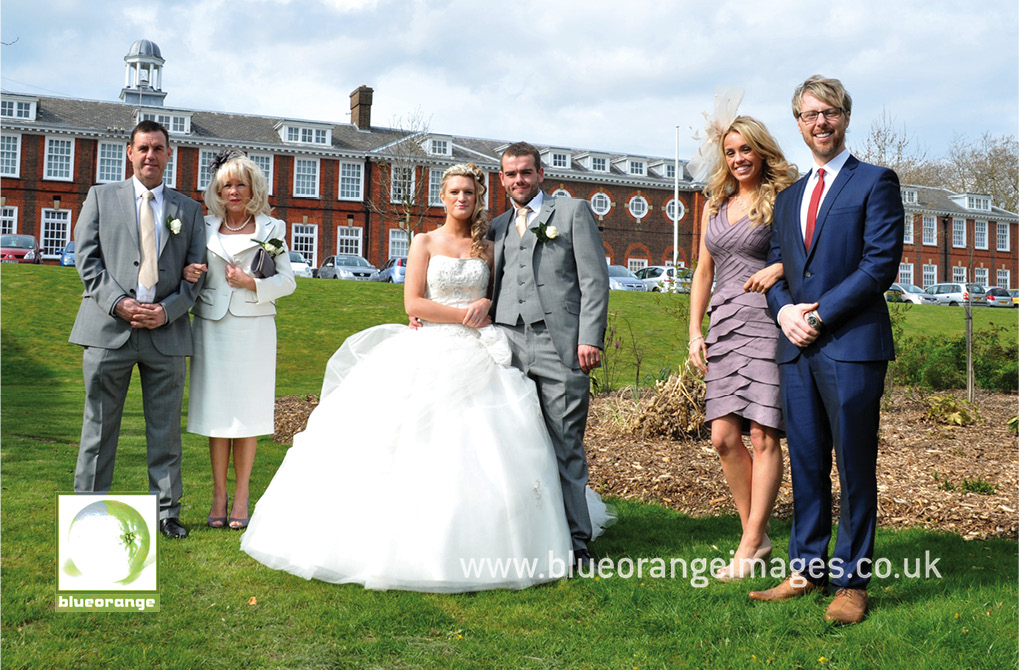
(518, 296)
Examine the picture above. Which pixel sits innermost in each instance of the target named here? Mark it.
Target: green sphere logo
(109, 540)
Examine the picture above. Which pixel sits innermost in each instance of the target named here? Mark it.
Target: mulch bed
(923, 465)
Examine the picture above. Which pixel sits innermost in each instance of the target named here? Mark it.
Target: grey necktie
(149, 273)
(522, 220)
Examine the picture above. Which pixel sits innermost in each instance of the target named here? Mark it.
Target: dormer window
(18, 107)
(637, 167)
(908, 197)
(305, 134)
(599, 164)
(437, 147)
(560, 160)
(177, 124)
(980, 202)
(592, 162)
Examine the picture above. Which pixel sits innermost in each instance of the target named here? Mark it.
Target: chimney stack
(361, 107)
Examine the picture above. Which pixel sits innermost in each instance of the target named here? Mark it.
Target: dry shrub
(675, 410)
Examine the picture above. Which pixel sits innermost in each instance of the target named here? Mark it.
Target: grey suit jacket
(108, 259)
(570, 274)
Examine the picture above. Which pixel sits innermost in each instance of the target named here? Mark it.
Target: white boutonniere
(173, 224)
(545, 232)
(274, 246)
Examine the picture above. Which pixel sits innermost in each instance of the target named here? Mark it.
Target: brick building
(358, 188)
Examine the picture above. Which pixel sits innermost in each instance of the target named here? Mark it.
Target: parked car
(347, 267)
(300, 266)
(1014, 292)
(663, 278)
(19, 249)
(621, 279)
(899, 292)
(394, 270)
(998, 297)
(67, 255)
(954, 294)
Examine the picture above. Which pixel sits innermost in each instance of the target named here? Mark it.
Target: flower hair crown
(465, 170)
(705, 162)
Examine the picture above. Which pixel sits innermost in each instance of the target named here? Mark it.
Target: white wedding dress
(426, 465)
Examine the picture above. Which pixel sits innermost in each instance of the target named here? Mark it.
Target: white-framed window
(348, 240)
(56, 231)
(978, 202)
(930, 275)
(170, 173)
(110, 162)
(435, 186)
(980, 234)
(638, 207)
(306, 135)
(8, 220)
(959, 233)
(439, 147)
(905, 273)
(980, 276)
(670, 210)
(1004, 278)
(59, 159)
(930, 230)
(908, 197)
(670, 171)
(560, 160)
(306, 177)
(398, 244)
(174, 123)
(599, 164)
(635, 264)
(959, 273)
(351, 181)
(304, 238)
(561, 193)
(601, 203)
(907, 229)
(401, 186)
(205, 157)
(10, 155)
(638, 167)
(16, 109)
(264, 163)
(1003, 241)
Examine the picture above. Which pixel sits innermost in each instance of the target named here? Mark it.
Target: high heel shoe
(217, 521)
(733, 573)
(242, 523)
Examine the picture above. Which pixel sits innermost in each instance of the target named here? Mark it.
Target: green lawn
(966, 617)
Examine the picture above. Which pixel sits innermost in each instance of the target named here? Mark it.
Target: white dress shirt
(143, 294)
(535, 205)
(831, 171)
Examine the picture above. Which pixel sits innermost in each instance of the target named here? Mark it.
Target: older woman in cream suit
(233, 371)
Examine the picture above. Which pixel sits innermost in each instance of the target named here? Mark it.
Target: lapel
(501, 225)
(547, 210)
(128, 209)
(793, 231)
(214, 241)
(844, 175)
(171, 210)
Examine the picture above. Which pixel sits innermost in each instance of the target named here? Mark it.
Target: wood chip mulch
(923, 465)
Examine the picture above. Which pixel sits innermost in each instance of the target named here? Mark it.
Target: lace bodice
(456, 282)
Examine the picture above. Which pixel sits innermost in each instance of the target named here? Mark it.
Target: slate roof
(938, 201)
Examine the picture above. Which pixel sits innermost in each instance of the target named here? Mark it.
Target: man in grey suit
(551, 294)
(134, 239)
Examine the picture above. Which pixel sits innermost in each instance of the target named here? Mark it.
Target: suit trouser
(107, 374)
(565, 395)
(827, 401)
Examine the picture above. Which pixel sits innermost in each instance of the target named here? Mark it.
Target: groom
(551, 298)
(134, 239)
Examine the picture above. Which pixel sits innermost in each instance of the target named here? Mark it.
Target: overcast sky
(613, 76)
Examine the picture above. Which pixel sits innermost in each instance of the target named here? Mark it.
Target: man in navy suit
(838, 232)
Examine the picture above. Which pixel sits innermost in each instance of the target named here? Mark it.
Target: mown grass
(966, 618)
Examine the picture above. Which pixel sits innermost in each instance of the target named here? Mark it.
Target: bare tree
(894, 147)
(403, 180)
(989, 166)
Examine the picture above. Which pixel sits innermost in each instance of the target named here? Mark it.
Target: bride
(426, 465)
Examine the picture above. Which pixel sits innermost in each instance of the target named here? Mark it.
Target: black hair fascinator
(222, 157)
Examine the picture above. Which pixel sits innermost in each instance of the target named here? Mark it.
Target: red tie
(815, 200)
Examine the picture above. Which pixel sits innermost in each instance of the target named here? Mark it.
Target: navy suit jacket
(853, 259)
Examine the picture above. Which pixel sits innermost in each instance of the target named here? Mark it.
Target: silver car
(658, 278)
(954, 294)
(347, 267)
(394, 270)
(621, 279)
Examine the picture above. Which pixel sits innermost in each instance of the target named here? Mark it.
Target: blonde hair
(479, 219)
(824, 89)
(233, 163)
(776, 172)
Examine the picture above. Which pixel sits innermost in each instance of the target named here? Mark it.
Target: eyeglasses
(832, 113)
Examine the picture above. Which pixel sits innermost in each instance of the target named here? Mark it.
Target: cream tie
(149, 273)
(522, 220)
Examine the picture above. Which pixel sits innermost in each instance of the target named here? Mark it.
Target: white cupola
(143, 78)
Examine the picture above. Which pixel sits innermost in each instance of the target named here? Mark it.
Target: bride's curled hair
(479, 219)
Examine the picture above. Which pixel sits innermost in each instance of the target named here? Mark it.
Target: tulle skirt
(426, 466)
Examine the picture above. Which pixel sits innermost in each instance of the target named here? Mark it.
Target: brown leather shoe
(795, 585)
(848, 606)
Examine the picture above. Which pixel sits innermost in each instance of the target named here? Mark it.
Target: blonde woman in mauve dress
(738, 355)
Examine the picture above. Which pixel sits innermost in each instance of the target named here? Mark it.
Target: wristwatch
(814, 321)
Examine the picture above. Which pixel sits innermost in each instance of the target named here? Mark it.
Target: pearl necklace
(240, 227)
